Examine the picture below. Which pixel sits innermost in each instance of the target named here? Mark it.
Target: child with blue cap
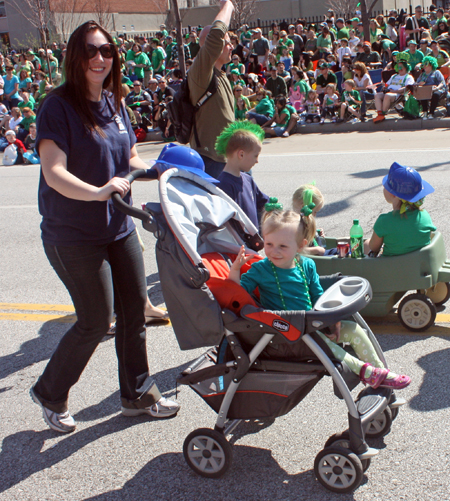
(407, 227)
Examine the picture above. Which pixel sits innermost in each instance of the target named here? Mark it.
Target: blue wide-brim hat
(406, 183)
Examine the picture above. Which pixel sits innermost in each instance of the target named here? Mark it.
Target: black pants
(99, 277)
(433, 102)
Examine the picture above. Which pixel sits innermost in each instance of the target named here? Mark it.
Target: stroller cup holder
(349, 293)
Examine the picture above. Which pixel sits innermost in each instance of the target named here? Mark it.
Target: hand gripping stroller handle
(119, 204)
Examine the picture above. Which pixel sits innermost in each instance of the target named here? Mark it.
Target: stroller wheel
(208, 453)
(338, 469)
(417, 312)
(381, 425)
(343, 440)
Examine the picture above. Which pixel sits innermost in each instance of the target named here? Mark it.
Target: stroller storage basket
(261, 394)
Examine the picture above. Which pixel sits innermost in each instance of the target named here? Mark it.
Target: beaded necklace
(300, 267)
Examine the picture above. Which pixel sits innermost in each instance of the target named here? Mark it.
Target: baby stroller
(248, 372)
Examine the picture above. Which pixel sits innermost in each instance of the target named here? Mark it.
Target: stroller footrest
(203, 374)
(372, 403)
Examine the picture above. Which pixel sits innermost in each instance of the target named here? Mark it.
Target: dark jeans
(365, 96)
(97, 276)
(212, 167)
(260, 119)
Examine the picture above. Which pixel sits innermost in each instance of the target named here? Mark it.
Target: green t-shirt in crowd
(403, 233)
(415, 58)
(343, 33)
(240, 114)
(157, 57)
(30, 104)
(265, 107)
(25, 123)
(284, 111)
(348, 95)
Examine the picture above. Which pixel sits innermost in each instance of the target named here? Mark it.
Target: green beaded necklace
(300, 267)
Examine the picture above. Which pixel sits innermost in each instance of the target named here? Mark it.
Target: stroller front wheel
(208, 453)
(381, 425)
(338, 469)
(343, 440)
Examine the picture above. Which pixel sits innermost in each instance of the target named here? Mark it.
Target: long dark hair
(75, 89)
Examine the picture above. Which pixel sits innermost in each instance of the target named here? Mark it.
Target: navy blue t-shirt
(93, 159)
(245, 193)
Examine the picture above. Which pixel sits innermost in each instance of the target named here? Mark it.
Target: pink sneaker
(378, 378)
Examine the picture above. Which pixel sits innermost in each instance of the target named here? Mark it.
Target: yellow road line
(36, 307)
(36, 317)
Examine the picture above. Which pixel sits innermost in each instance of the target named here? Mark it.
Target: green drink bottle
(356, 240)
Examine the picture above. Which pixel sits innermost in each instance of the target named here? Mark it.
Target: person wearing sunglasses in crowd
(86, 145)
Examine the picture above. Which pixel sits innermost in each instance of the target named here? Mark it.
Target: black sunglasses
(106, 50)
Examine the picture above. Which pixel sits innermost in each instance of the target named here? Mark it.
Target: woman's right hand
(116, 184)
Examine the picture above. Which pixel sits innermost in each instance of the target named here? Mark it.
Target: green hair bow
(307, 209)
(273, 204)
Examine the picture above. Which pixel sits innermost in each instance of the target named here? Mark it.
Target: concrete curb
(389, 125)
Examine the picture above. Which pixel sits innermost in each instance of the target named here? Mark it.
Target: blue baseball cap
(406, 183)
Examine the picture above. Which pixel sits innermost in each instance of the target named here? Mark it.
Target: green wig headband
(403, 57)
(431, 61)
(233, 128)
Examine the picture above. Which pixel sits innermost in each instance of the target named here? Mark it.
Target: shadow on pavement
(254, 474)
(25, 451)
(433, 393)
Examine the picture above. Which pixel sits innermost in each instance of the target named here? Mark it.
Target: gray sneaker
(62, 422)
(163, 408)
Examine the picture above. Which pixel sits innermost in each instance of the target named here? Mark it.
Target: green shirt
(286, 112)
(323, 42)
(141, 58)
(347, 96)
(240, 114)
(30, 104)
(403, 233)
(265, 107)
(157, 58)
(25, 123)
(415, 58)
(303, 86)
(343, 33)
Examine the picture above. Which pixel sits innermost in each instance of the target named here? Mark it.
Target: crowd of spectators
(296, 74)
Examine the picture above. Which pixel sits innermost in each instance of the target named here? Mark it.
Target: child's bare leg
(292, 123)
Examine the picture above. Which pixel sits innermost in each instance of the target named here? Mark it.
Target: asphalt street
(110, 457)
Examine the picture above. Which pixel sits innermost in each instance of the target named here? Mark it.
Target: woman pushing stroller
(289, 282)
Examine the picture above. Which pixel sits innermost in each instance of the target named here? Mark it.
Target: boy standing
(240, 143)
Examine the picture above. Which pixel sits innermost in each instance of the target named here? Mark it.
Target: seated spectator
(29, 117)
(441, 56)
(27, 100)
(343, 50)
(353, 41)
(374, 32)
(252, 87)
(264, 110)
(254, 66)
(281, 71)
(164, 90)
(351, 101)
(24, 80)
(163, 121)
(13, 156)
(431, 76)
(286, 59)
(424, 47)
(441, 29)
(311, 44)
(415, 58)
(330, 103)
(235, 64)
(347, 68)
(387, 47)
(238, 48)
(395, 87)
(31, 157)
(312, 106)
(364, 85)
(299, 89)
(236, 78)
(152, 88)
(281, 119)
(369, 57)
(326, 76)
(272, 62)
(276, 84)
(139, 101)
(30, 140)
(176, 79)
(241, 103)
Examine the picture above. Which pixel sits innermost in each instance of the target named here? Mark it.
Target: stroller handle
(119, 204)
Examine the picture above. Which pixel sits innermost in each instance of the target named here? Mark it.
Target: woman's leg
(434, 102)
(86, 273)
(130, 298)
(424, 103)
(362, 94)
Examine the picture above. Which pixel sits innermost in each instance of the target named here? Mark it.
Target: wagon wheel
(208, 453)
(338, 469)
(417, 312)
(439, 293)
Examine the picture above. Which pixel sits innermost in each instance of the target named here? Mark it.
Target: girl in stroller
(286, 283)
